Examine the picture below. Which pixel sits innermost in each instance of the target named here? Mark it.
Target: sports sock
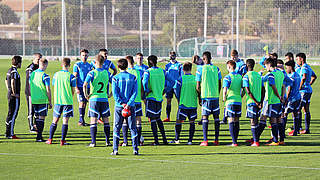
(161, 128)
(205, 129)
(260, 128)
(284, 122)
(139, 129)
(281, 131)
(254, 133)
(236, 130)
(168, 110)
(300, 120)
(81, 115)
(40, 126)
(275, 131)
(232, 132)
(296, 125)
(224, 117)
(178, 130)
(154, 129)
(93, 133)
(64, 131)
(191, 131)
(106, 129)
(53, 128)
(125, 133)
(216, 129)
(307, 117)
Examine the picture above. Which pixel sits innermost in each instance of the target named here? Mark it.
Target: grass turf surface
(26, 159)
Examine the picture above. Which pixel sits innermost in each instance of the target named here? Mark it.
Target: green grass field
(26, 159)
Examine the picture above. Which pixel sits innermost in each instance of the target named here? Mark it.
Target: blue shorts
(66, 110)
(305, 98)
(80, 96)
(183, 114)
(153, 109)
(233, 110)
(253, 111)
(210, 107)
(98, 109)
(292, 107)
(271, 110)
(138, 109)
(169, 94)
(40, 109)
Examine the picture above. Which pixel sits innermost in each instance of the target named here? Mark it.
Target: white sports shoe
(189, 143)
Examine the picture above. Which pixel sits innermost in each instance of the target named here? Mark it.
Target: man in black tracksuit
(13, 85)
(33, 66)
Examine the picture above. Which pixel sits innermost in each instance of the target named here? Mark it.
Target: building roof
(16, 5)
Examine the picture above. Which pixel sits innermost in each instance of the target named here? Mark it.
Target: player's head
(16, 61)
(104, 53)
(280, 64)
(36, 58)
(43, 64)
(84, 54)
(274, 56)
(66, 62)
(290, 65)
(122, 64)
(99, 60)
(289, 56)
(301, 58)
(206, 56)
(195, 59)
(231, 65)
(130, 61)
(152, 61)
(187, 67)
(270, 64)
(234, 54)
(250, 64)
(139, 58)
(172, 55)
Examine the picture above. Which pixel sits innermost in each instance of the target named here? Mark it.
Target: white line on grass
(162, 161)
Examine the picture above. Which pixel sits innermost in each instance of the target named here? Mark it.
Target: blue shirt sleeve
(89, 77)
(116, 90)
(46, 79)
(243, 69)
(245, 81)
(304, 70)
(112, 66)
(177, 87)
(199, 73)
(134, 93)
(270, 79)
(287, 81)
(145, 81)
(76, 68)
(53, 79)
(73, 81)
(227, 81)
(262, 62)
(219, 74)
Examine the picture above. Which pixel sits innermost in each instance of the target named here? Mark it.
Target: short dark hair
(139, 54)
(152, 60)
(103, 50)
(195, 58)
(250, 63)
(100, 59)
(302, 55)
(172, 52)
(130, 60)
(122, 64)
(275, 55)
(232, 63)
(290, 54)
(84, 50)
(37, 54)
(279, 61)
(234, 52)
(187, 66)
(43, 60)
(271, 61)
(66, 61)
(291, 63)
(207, 54)
(16, 60)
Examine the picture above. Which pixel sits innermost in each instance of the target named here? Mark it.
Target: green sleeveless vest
(234, 91)
(209, 82)
(99, 85)
(63, 89)
(156, 83)
(255, 86)
(188, 93)
(38, 89)
(136, 73)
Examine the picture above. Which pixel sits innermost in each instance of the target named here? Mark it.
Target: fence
(62, 28)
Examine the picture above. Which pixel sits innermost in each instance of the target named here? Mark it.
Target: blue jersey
(305, 69)
(45, 77)
(89, 79)
(269, 77)
(174, 71)
(143, 67)
(295, 85)
(82, 69)
(262, 62)
(241, 67)
(124, 88)
(106, 65)
(73, 81)
(227, 83)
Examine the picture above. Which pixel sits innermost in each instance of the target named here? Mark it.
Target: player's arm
(73, 83)
(145, 81)
(220, 86)
(177, 88)
(303, 80)
(115, 91)
(220, 78)
(75, 73)
(275, 91)
(134, 94)
(85, 90)
(224, 94)
(14, 85)
(247, 89)
(28, 73)
(226, 85)
(113, 67)
(46, 81)
(313, 78)
(6, 82)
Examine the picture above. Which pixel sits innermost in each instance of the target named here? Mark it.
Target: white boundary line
(162, 161)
